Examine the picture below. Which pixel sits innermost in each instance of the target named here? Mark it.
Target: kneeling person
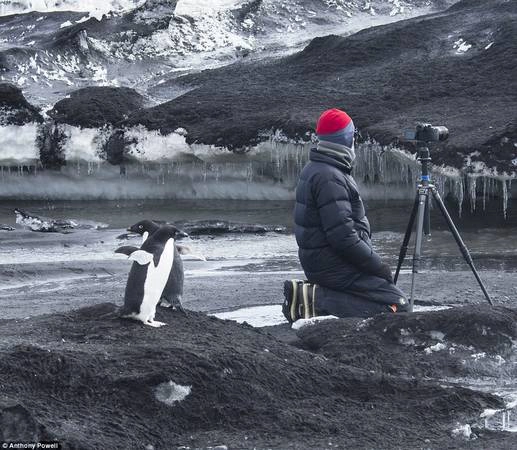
(346, 277)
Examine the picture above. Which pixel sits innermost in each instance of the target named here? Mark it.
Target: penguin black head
(143, 226)
(169, 231)
(150, 227)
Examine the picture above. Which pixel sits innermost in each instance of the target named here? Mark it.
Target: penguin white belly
(155, 281)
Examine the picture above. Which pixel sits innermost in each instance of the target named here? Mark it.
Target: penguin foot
(165, 303)
(155, 323)
(179, 308)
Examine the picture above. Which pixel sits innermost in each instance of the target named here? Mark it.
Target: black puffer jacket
(331, 227)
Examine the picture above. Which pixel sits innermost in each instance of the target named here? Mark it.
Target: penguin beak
(181, 235)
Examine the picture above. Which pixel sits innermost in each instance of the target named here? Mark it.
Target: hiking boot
(309, 300)
(293, 301)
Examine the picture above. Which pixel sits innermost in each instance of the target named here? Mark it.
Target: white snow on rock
(83, 144)
(461, 46)
(198, 8)
(435, 348)
(171, 393)
(301, 323)
(463, 431)
(489, 413)
(438, 335)
(18, 144)
(96, 7)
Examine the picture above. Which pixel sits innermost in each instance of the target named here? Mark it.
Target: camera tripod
(421, 211)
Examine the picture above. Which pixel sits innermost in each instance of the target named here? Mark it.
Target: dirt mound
(97, 106)
(463, 342)
(93, 380)
(14, 107)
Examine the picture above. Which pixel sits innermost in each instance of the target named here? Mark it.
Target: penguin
(149, 274)
(173, 291)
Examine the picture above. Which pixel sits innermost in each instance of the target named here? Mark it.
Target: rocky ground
(89, 379)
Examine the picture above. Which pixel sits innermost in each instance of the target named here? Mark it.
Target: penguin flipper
(135, 254)
(141, 257)
(126, 250)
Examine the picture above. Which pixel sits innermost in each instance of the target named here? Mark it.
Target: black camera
(426, 132)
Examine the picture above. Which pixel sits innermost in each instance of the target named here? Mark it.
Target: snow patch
(84, 144)
(96, 8)
(18, 145)
(301, 323)
(461, 46)
(171, 393)
(199, 8)
(438, 335)
(156, 147)
(463, 431)
(435, 348)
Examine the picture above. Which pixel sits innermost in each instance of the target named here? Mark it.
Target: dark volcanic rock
(200, 227)
(94, 380)
(455, 68)
(97, 106)
(47, 225)
(14, 107)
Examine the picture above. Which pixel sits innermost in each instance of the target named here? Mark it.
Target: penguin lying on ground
(173, 291)
(149, 274)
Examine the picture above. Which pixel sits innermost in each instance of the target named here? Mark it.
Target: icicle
(472, 189)
(249, 173)
(484, 194)
(505, 197)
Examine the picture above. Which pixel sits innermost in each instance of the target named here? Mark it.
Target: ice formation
(165, 166)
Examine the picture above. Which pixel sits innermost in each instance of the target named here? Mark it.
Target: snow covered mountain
(58, 46)
(94, 7)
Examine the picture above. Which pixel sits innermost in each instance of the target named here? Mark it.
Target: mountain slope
(455, 68)
(49, 51)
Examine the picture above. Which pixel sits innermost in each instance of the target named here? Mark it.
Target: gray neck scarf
(341, 153)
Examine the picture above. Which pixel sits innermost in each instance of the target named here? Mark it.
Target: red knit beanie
(331, 121)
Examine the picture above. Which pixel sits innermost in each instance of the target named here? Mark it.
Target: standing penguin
(173, 291)
(149, 274)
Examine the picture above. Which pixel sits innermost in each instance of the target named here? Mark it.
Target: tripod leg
(407, 237)
(423, 195)
(459, 241)
(427, 217)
